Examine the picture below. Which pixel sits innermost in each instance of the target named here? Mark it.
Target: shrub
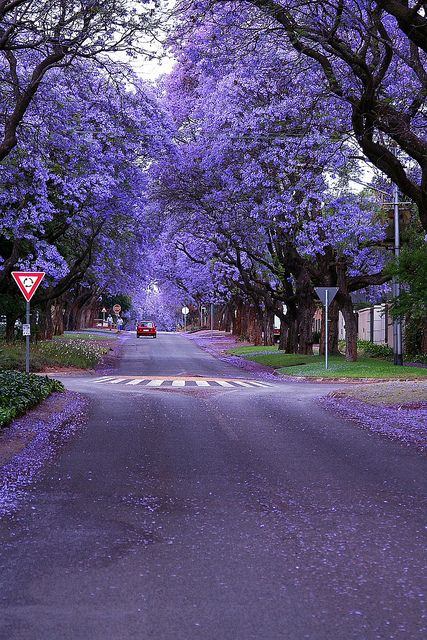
(375, 350)
(420, 358)
(19, 392)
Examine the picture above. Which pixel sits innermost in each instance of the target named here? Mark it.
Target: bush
(19, 392)
(374, 350)
(420, 358)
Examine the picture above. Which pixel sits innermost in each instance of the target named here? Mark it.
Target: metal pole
(27, 342)
(326, 329)
(185, 322)
(397, 323)
(211, 319)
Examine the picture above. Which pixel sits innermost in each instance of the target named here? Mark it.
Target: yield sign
(328, 293)
(28, 282)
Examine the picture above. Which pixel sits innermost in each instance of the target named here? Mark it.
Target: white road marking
(258, 384)
(181, 382)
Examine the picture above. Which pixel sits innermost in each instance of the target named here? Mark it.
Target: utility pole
(397, 322)
(212, 315)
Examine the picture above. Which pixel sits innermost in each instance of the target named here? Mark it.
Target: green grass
(20, 392)
(243, 350)
(86, 336)
(82, 354)
(314, 366)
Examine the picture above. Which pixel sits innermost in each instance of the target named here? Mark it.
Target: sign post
(28, 282)
(326, 295)
(185, 311)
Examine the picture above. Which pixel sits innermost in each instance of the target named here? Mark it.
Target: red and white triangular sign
(28, 282)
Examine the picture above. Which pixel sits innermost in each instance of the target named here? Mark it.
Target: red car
(146, 328)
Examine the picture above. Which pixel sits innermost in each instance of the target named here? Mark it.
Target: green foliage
(19, 392)
(420, 358)
(411, 271)
(374, 350)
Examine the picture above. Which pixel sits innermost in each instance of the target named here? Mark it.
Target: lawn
(86, 336)
(240, 351)
(314, 366)
(61, 352)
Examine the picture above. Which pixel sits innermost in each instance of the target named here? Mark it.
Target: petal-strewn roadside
(32, 441)
(396, 414)
(407, 424)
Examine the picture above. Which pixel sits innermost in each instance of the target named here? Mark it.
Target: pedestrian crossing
(174, 382)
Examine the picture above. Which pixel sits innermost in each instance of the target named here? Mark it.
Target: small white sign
(185, 311)
(26, 329)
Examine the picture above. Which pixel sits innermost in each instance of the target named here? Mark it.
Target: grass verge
(314, 366)
(19, 392)
(63, 352)
(241, 351)
(86, 336)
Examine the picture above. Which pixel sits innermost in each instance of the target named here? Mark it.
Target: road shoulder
(395, 409)
(32, 441)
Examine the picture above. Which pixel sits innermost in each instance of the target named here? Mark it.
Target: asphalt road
(216, 513)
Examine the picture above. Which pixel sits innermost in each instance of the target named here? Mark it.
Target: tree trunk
(333, 315)
(254, 327)
(268, 325)
(305, 325)
(350, 320)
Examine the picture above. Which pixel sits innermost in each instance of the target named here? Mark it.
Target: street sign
(326, 293)
(28, 282)
(117, 308)
(103, 310)
(185, 311)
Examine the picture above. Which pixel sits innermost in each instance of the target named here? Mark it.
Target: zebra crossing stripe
(146, 381)
(258, 384)
(155, 383)
(242, 384)
(223, 383)
(178, 383)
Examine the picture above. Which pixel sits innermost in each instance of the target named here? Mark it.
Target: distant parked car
(146, 328)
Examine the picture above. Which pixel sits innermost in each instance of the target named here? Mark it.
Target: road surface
(216, 512)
